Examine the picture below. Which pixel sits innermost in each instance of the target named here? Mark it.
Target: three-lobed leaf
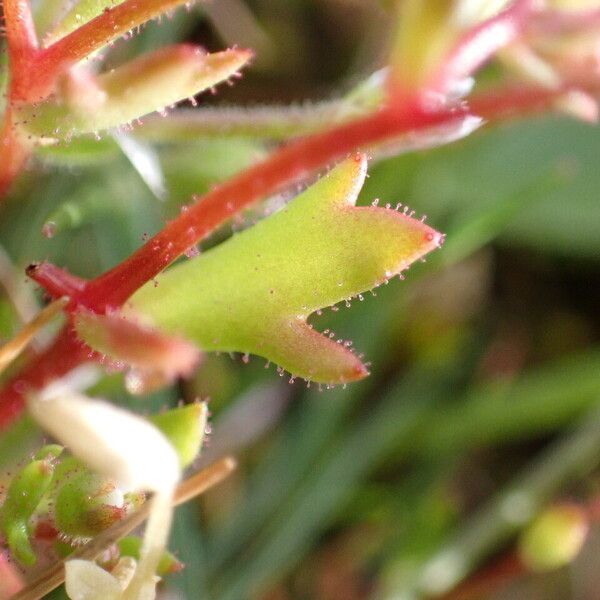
(255, 292)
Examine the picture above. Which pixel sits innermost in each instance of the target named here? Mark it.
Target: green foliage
(484, 363)
(26, 491)
(82, 503)
(147, 84)
(255, 292)
(184, 427)
(131, 546)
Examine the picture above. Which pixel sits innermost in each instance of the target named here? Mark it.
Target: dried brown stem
(14, 347)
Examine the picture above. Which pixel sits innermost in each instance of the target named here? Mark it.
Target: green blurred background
(483, 406)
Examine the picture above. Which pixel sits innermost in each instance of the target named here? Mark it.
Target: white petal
(85, 580)
(110, 440)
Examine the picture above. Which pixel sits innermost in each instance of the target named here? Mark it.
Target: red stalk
(112, 24)
(22, 48)
(14, 154)
(57, 282)
(65, 353)
(22, 44)
(284, 167)
(482, 42)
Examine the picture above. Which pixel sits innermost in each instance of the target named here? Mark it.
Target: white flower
(129, 449)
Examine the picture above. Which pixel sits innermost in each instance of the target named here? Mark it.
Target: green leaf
(150, 352)
(149, 83)
(184, 427)
(132, 545)
(255, 292)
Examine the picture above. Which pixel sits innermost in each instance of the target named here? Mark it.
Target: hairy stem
(113, 23)
(22, 44)
(262, 122)
(14, 153)
(284, 167)
(482, 42)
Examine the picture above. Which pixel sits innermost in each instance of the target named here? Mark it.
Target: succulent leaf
(132, 545)
(152, 82)
(255, 292)
(129, 343)
(184, 427)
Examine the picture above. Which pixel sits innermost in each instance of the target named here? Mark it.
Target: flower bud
(87, 504)
(24, 494)
(554, 538)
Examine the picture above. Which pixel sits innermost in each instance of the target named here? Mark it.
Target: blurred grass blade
(568, 459)
(145, 161)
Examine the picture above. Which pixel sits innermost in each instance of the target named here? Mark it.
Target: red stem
(285, 166)
(22, 46)
(113, 23)
(22, 43)
(57, 282)
(65, 353)
(482, 42)
(14, 154)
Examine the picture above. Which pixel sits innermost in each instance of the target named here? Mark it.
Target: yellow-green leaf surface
(254, 293)
(149, 83)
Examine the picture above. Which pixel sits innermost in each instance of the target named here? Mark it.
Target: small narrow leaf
(255, 292)
(184, 427)
(149, 83)
(128, 343)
